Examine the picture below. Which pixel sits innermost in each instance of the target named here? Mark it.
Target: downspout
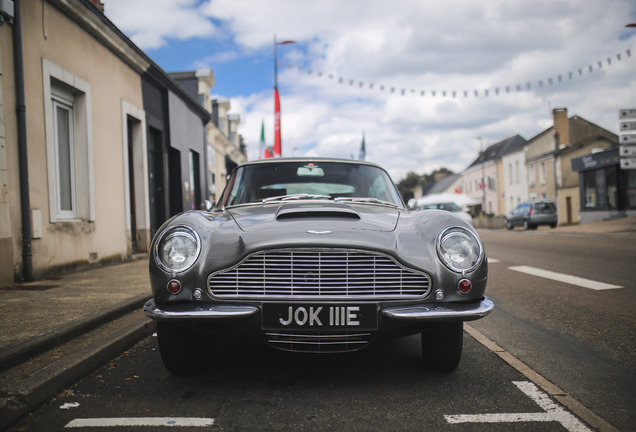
(20, 107)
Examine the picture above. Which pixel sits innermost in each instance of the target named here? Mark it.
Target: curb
(23, 397)
(21, 352)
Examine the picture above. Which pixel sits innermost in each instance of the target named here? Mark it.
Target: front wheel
(442, 346)
(184, 352)
(509, 226)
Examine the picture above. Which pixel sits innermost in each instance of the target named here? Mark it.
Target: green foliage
(407, 185)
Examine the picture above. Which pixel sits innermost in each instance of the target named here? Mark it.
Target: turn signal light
(174, 286)
(464, 286)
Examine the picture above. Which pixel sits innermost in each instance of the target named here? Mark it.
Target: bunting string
(495, 91)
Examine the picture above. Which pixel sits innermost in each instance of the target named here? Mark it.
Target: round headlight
(459, 249)
(178, 249)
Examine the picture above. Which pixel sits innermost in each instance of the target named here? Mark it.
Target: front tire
(509, 226)
(184, 352)
(442, 346)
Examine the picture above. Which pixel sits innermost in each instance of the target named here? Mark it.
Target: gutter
(23, 160)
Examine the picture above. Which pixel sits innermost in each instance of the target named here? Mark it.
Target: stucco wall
(6, 249)
(50, 35)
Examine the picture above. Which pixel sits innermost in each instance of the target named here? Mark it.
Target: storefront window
(589, 179)
(612, 187)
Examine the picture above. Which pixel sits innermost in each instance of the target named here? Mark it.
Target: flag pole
(278, 144)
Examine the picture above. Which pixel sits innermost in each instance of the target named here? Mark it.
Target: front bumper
(414, 313)
(441, 311)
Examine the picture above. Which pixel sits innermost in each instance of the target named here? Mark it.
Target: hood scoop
(298, 217)
(310, 212)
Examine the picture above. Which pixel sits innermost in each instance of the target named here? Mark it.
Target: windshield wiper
(365, 200)
(291, 197)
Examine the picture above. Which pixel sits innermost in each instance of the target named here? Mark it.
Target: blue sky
(421, 79)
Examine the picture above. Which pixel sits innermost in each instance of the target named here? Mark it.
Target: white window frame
(531, 175)
(60, 103)
(62, 87)
(542, 173)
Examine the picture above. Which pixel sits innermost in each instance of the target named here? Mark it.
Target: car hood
(315, 215)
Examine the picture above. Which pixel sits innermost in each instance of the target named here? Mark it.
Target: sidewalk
(55, 330)
(32, 311)
(626, 226)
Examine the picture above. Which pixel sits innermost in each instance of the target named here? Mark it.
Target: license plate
(285, 316)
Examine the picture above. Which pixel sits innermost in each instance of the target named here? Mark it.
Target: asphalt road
(580, 339)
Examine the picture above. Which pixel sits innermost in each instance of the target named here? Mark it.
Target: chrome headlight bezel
(469, 244)
(190, 250)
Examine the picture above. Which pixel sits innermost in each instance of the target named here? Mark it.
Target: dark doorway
(175, 181)
(132, 126)
(156, 179)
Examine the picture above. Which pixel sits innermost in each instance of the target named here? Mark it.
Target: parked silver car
(531, 214)
(314, 255)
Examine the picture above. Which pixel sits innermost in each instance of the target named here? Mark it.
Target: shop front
(606, 190)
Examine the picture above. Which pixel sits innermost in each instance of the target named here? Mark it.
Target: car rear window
(544, 207)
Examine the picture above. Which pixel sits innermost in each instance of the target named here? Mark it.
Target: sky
(425, 82)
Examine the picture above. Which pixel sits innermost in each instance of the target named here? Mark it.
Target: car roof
(537, 201)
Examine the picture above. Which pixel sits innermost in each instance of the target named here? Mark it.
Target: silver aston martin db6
(314, 255)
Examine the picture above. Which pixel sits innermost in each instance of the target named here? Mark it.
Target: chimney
(99, 5)
(561, 128)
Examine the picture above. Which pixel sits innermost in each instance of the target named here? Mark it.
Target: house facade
(98, 145)
(514, 179)
(484, 178)
(67, 152)
(549, 161)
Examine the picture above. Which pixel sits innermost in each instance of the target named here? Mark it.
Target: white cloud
(151, 23)
(456, 45)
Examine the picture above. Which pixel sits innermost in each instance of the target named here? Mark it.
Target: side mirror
(412, 204)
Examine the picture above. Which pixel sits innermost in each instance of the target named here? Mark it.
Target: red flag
(277, 140)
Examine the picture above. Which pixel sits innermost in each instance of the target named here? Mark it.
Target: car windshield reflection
(286, 181)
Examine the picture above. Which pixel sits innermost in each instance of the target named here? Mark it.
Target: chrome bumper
(429, 312)
(190, 311)
(441, 311)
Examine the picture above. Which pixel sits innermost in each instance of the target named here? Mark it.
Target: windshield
(309, 180)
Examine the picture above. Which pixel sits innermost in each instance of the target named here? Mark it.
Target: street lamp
(278, 145)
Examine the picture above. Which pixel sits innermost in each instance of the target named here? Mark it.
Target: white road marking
(573, 280)
(493, 260)
(141, 421)
(552, 412)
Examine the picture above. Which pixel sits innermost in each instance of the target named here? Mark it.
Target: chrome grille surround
(339, 274)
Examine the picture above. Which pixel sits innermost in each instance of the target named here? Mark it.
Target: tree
(407, 184)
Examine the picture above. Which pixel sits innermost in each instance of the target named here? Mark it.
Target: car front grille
(319, 274)
(318, 342)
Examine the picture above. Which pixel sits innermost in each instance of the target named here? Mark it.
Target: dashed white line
(141, 421)
(561, 277)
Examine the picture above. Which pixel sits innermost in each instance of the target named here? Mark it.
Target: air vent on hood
(317, 212)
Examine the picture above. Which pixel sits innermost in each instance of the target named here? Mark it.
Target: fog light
(174, 286)
(197, 294)
(464, 286)
(439, 294)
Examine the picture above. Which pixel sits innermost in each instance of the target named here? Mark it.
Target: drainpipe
(20, 107)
